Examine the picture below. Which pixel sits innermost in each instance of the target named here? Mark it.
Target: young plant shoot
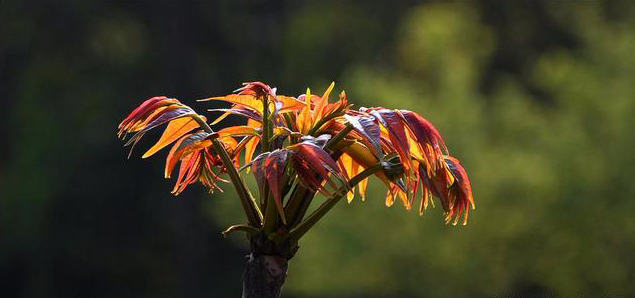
(297, 147)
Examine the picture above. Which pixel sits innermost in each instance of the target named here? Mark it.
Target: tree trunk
(264, 276)
(266, 267)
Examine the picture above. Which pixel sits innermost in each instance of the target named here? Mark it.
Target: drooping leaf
(168, 116)
(289, 103)
(362, 156)
(187, 172)
(142, 122)
(393, 122)
(174, 130)
(369, 129)
(153, 111)
(349, 169)
(174, 156)
(320, 141)
(246, 101)
(429, 139)
(194, 139)
(236, 111)
(460, 193)
(274, 166)
(362, 188)
(140, 109)
(236, 131)
(314, 165)
(257, 166)
(250, 148)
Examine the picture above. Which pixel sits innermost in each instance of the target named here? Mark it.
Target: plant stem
(264, 276)
(254, 216)
(339, 136)
(297, 205)
(305, 225)
(322, 121)
(271, 214)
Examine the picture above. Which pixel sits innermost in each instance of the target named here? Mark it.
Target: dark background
(535, 98)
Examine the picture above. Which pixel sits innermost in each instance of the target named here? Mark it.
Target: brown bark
(266, 267)
(264, 276)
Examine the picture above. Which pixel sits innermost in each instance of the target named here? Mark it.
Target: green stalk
(299, 201)
(310, 221)
(253, 213)
(323, 121)
(339, 136)
(264, 141)
(271, 213)
(297, 205)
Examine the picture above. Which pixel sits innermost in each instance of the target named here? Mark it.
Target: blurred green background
(535, 99)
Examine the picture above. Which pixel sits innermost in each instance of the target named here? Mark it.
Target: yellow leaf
(404, 200)
(247, 101)
(289, 103)
(304, 119)
(321, 104)
(219, 119)
(175, 129)
(242, 130)
(363, 157)
(253, 123)
(347, 164)
(174, 156)
(362, 188)
(250, 148)
(390, 199)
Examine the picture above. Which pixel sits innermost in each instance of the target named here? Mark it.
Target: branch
(339, 136)
(310, 221)
(246, 199)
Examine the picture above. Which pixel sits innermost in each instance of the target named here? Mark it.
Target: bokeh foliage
(535, 99)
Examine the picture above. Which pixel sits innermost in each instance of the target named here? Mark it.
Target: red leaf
(427, 136)
(274, 167)
(314, 165)
(368, 129)
(140, 110)
(394, 123)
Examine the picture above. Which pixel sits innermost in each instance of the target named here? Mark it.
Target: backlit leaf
(369, 129)
(304, 119)
(174, 130)
(274, 166)
(236, 131)
(247, 101)
(236, 111)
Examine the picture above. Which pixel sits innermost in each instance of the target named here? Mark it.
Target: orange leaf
(247, 101)
(289, 103)
(174, 156)
(349, 168)
(361, 155)
(304, 119)
(174, 130)
(362, 188)
(321, 104)
(242, 130)
(219, 119)
(250, 148)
